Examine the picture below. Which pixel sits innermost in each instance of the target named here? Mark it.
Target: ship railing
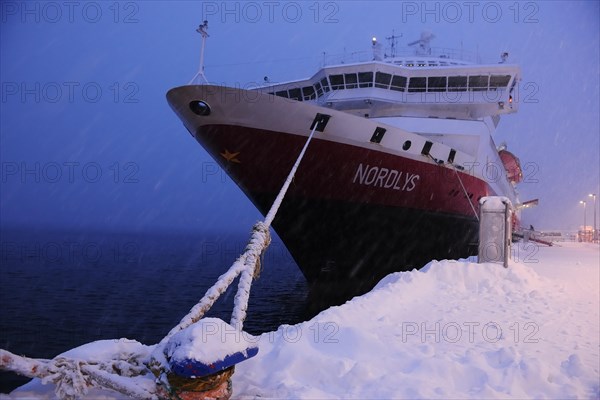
(368, 55)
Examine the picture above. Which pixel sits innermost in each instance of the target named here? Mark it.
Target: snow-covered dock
(454, 329)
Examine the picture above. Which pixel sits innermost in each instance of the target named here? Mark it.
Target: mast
(393, 40)
(202, 30)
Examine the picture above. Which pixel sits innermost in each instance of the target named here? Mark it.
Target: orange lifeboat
(512, 166)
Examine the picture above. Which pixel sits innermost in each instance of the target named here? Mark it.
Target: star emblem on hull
(231, 157)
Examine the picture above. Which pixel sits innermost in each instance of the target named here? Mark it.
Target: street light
(584, 230)
(595, 233)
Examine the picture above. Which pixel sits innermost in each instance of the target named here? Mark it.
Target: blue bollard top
(207, 347)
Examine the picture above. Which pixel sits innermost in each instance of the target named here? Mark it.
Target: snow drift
(454, 329)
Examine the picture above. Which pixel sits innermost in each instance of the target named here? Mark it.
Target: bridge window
(436, 84)
(498, 81)
(309, 93)
(319, 89)
(325, 84)
(478, 82)
(365, 79)
(295, 94)
(351, 81)
(457, 83)
(417, 84)
(398, 83)
(382, 80)
(337, 82)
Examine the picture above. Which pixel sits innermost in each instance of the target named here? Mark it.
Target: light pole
(595, 233)
(583, 233)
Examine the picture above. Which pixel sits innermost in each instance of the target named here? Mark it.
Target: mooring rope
(73, 378)
(245, 265)
(465, 191)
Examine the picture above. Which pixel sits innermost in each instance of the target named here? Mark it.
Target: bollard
(494, 230)
(202, 358)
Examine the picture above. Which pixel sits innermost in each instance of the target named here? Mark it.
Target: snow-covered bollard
(202, 358)
(494, 229)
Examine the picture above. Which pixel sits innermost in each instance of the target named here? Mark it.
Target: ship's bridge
(415, 86)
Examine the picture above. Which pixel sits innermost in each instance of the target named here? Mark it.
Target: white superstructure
(434, 93)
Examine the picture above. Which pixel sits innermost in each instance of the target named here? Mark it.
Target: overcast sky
(88, 140)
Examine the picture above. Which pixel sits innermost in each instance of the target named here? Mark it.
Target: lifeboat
(514, 173)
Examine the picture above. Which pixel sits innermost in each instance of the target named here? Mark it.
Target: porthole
(200, 107)
(406, 145)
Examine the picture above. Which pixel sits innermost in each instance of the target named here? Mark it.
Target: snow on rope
(73, 378)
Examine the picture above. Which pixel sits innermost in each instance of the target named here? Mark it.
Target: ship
(403, 151)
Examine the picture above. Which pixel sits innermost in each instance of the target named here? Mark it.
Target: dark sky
(88, 141)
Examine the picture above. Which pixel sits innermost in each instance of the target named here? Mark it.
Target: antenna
(202, 30)
(393, 40)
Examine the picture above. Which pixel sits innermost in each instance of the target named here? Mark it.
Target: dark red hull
(339, 227)
(355, 211)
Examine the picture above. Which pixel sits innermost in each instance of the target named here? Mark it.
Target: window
(351, 81)
(426, 148)
(457, 83)
(295, 94)
(365, 79)
(337, 82)
(382, 80)
(451, 156)
(417, 84)
(282, 93)
(378, 135)
(325, 85)
(309, 93)
(436, 84)
(398, 83)
(319, 89)
(478, 82)
(498, 81)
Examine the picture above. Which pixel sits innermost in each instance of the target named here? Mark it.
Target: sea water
(60, 290)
